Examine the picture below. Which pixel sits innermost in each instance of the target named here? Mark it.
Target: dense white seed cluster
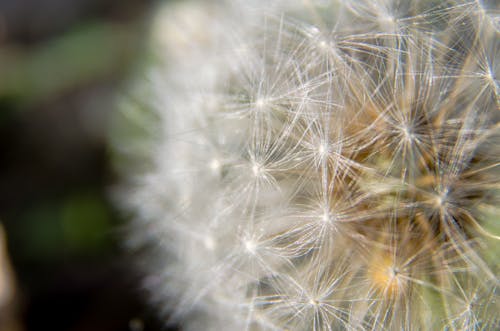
(320, 165)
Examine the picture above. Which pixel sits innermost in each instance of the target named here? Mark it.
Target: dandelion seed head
(318, 165)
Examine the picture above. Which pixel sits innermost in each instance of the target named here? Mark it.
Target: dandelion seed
(209, 243)
(260, 103)
(215, 165)
(326, 217)
(256, 169)
(250, 246)
(387, 276)
(322, 151)
(408, 134)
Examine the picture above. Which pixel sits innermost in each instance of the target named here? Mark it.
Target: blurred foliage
(86, 53)
(79, 225)
(58, 83)
(85, 223)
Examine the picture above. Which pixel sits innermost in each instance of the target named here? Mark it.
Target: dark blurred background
(62, 64)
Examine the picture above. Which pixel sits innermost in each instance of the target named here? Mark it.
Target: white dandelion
(317, 165)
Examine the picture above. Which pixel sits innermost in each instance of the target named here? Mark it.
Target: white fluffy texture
(323, 165)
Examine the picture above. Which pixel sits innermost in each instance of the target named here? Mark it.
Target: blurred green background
(62, 65)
